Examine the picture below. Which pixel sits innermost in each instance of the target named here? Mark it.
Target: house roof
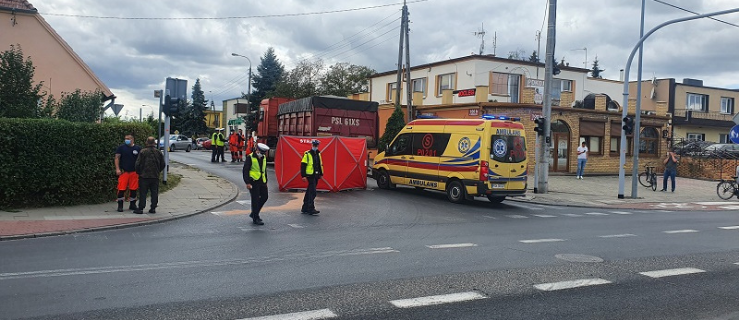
(16, 5)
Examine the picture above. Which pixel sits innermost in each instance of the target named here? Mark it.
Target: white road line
(516, 216)
(623, 235)
(730, 207)
(544, 215)
(218, 213)
(523, 206)
(621, 212)
(436, 300)
(596, 213)
(489, 217)
(570, 284)
(451, 245)
(295, 225)
(670, 272)
(541, 240)
(665, 211)
(244, 202)
(572, 215)
(729, 228)
(680, 231)
(717, 203)
(306, 315)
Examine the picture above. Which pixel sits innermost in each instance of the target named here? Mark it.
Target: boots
(132, 205)
(120, 206)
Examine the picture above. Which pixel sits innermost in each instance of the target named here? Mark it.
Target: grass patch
(173, 180)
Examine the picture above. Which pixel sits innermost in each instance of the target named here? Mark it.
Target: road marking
(489, 217)
(451, 245)
(295, 225)
(572, 215)
(218, 213)
(524, 206)
(357, 252)
(665, 211)
(670, 272)
(570, 284)
(680, 231)
(541, 240)
(516, 216)
(596, 213)
(730, 207)
(623, 235)
(436, 300)
(729, 228)
(621, 212)
(305, 315)
(244, 202)
(544, 216)
(716, 203)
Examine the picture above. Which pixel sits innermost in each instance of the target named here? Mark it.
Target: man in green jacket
(255, 177)
(149, 164)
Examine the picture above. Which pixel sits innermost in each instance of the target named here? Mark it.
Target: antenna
(481, 34)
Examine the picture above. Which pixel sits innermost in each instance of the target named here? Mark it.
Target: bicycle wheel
(643, 179)
(725, 190)
(653, 181)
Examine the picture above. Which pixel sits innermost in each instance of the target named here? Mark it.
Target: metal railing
(697, 114)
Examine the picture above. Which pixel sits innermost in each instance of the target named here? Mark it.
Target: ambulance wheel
(383, 180)
(188, 148)
(455, 192)
(496, 199)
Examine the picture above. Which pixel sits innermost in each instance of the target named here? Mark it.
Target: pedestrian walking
(125, 168)
(255, 177)
(582, 159)
(670, 163)
(149, 164)
(311, 169)
(218, 141)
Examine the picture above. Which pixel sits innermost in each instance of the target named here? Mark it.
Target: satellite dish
(653, 94)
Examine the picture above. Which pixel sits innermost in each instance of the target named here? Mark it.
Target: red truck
(317, 116)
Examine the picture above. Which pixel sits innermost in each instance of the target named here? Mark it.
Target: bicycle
(727, 189)
(648, 178)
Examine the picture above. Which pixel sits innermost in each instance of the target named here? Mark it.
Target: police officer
(311, 169)
(255, 177)
(218, 141)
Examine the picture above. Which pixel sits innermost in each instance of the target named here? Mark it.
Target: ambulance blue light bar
(493, 117)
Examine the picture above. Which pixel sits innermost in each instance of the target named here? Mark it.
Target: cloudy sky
(134, 56)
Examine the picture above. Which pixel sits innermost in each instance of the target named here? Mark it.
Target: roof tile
(17, 4)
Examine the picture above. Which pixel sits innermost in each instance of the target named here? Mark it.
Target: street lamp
(248, 90)
(586, 55)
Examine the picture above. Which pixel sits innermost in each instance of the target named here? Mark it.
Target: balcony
(700, 118)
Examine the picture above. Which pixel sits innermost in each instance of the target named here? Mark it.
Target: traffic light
(541, 124)
(171, 106)
(628, 125)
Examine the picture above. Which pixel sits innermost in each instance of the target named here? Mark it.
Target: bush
(394, 125)
(56, 162)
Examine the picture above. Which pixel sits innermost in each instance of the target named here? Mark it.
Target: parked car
(199, 143)
(177, 142)
(691, 147)
(722, 150)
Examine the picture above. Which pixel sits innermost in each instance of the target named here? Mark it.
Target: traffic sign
(734, 134)
(736, 118)
(116, 108)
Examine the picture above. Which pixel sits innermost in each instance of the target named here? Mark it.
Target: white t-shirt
(584, 154)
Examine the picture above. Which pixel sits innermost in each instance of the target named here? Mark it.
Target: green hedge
(56, 162)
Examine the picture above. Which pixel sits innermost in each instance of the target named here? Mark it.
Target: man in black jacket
(149, 164)
(255, 177)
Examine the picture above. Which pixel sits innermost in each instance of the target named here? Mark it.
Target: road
(383, 254)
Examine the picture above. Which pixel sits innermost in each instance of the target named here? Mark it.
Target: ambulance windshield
(508, 149)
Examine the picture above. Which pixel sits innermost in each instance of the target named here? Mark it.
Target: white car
(177, 142)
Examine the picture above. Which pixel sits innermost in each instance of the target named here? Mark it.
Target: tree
(518, 54)
(596, 70)
(47, 112)
(302, 81)
(394, 125)
(534, 57)
(269, 72)
(343, 79)
(80, 106)
(19, 97)
(193, 119)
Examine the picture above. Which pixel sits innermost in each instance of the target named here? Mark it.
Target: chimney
(622, 75)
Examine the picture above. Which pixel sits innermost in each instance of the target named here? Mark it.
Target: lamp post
(248, 90)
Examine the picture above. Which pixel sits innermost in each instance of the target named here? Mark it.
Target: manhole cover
(571, 257)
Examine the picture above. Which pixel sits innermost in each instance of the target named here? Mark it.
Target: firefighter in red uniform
(233, 145)
(249, 145)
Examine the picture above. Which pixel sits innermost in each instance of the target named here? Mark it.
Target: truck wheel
(455, 192)
(189, 147)
(496, 199)
(383, 180)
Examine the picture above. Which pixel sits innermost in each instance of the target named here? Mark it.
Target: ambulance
(463, 157)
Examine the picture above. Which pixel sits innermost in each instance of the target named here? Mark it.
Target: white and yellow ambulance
(463, 157)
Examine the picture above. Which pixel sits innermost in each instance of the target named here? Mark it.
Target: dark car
(691, 147)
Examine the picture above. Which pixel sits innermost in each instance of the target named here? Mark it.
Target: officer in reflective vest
(311, 169)
(255, 177)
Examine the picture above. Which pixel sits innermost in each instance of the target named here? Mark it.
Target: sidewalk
(602, 192)
(197, 192)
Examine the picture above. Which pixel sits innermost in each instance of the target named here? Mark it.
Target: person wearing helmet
(311, 169)
(255, 177)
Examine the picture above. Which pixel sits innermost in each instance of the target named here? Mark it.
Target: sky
(134, 56)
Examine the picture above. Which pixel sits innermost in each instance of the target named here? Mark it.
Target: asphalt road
(383, 254)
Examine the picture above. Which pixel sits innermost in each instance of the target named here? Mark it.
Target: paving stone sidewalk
(198, 191)
(602, 191)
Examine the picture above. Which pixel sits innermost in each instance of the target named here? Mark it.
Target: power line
(348, 43)
(283, 15)
(391, 30)
(696, 13)
(372, 46)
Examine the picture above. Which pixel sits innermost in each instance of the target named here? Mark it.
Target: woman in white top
(582, 158)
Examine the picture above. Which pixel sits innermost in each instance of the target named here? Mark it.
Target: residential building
(58, 67)
(234, 111)
(698, 112)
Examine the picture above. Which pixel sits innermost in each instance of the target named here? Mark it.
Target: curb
(626, 206)
(131, 224)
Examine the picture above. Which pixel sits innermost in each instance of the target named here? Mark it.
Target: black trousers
(214, 154)
(309, 200)
(220, 154)
(259, 196)
(146, 185)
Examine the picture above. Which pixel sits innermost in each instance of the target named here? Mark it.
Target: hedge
(56, 162)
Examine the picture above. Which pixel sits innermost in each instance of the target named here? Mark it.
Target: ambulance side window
(430, 144)
(401, 145)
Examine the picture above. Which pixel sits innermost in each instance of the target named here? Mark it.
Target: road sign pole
(165, 145)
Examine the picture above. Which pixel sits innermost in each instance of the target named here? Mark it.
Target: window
(593, 144)
(401, 145)
(444, 82)
(697, 102)
(723, 138)
(566, 85)
(506, 84)
(727, 105)
(390, 87)
(430, 144)
(697, 136)
(615, 147)
(419, 85)
(648, 141)
(508, 149)
(592, 132)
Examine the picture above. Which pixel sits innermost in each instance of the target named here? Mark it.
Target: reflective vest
(308, 160)
(217, 139)
(258, 172)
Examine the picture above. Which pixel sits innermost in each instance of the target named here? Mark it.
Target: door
(561, 152)
(398, 156)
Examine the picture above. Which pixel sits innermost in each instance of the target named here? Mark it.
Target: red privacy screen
(344, 163)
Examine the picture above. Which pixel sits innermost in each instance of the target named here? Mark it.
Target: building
(58, 67)
(234, 111)
(698, 112)
(471, 86)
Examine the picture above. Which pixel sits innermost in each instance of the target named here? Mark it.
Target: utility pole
(538, 52)
(637, 119)
(543, 161)
(400, 59)
(409, 88)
